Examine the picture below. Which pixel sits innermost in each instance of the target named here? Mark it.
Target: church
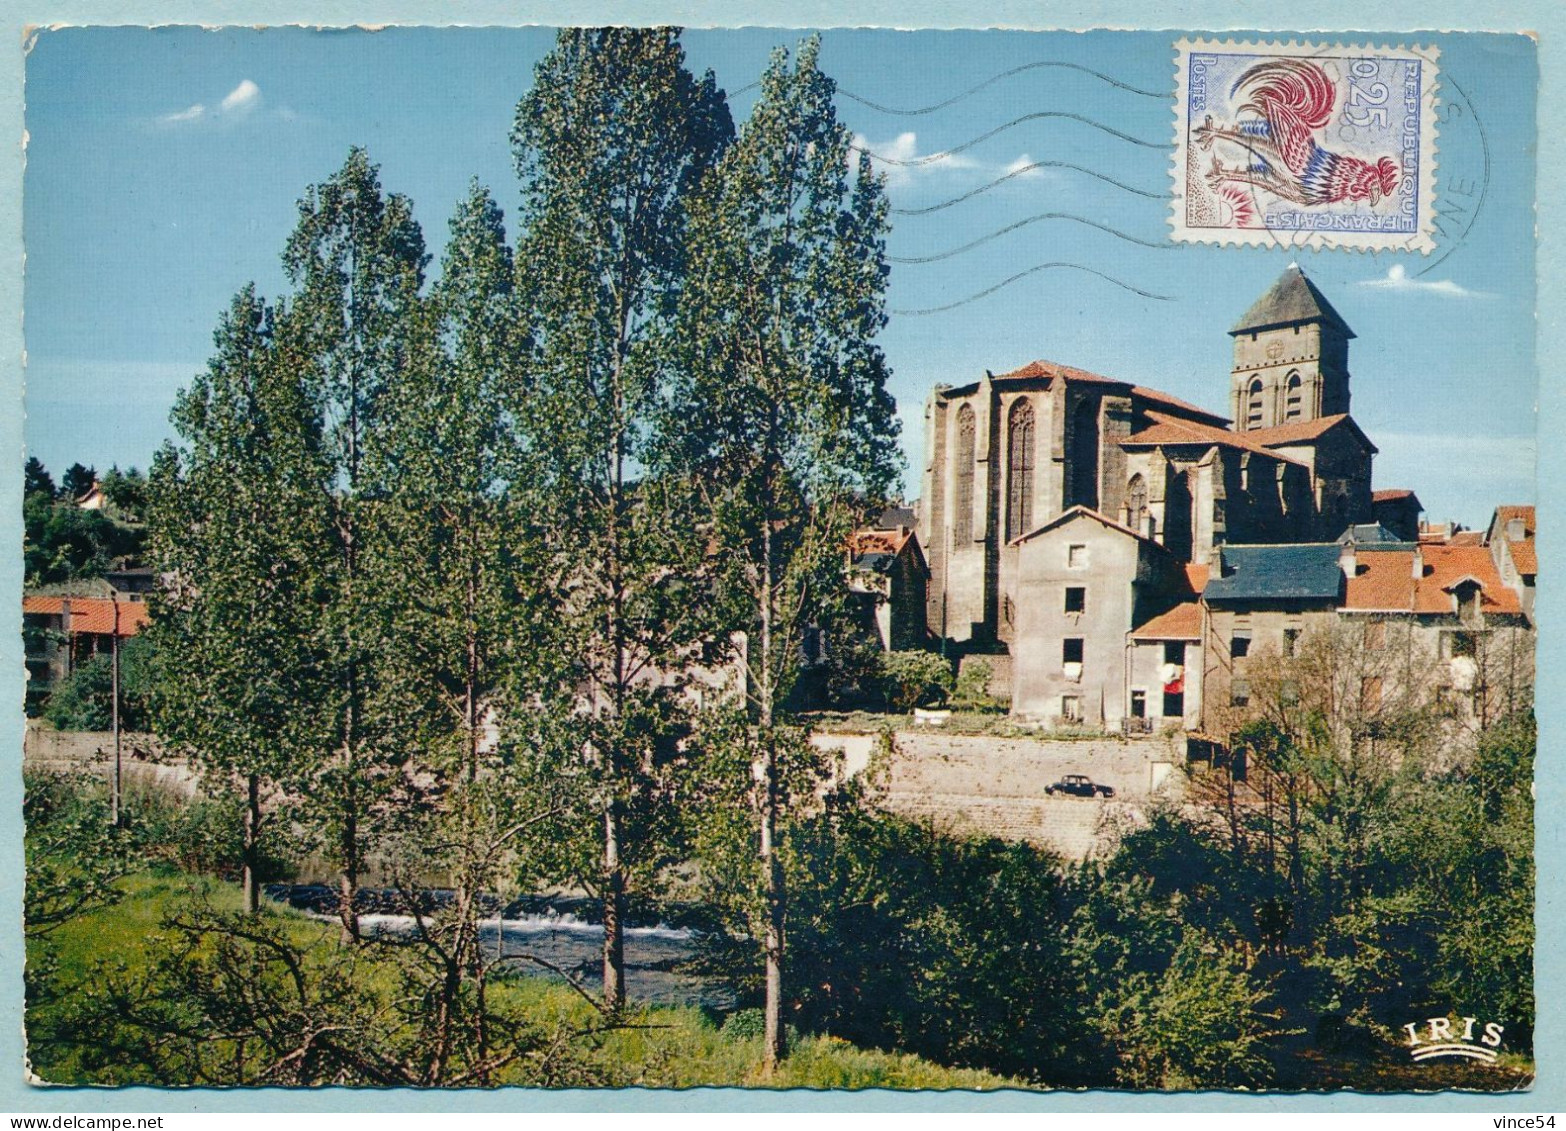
(1069, 521)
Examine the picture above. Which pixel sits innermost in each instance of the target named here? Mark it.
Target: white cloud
(235, 104)
(241, 97)
(1397, 279)
(901, 160)
(1023, 168)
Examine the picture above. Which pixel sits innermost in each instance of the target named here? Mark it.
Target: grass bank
(660, 1047)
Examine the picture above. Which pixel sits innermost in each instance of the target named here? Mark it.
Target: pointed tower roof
(1292, 299)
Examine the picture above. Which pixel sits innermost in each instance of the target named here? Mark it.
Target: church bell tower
(1290, 357)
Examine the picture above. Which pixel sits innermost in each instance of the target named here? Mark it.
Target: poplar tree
(609, 144)
(238, 528)
(455, 564)
(788, 421)
(356, 259)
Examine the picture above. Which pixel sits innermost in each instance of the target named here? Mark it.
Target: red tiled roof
(1168, 430)
(1043, 368)
(1447, 565)
(1511, 511)
(880, 541)
(1467, 538)
(1069, 373)
(92, 614)
(1183, 622)
(1524, 556)
(1391, 494)
(1196, 577)
(1303, 431)
(1384, 581)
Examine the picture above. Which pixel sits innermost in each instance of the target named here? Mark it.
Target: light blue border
(1544, 18)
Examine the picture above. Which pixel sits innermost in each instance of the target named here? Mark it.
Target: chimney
(1347, 558)
(1419, 563)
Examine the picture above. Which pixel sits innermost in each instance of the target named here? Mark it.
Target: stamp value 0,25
(1316, 145)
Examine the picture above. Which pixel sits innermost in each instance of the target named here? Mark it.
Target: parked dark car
(1079, 785)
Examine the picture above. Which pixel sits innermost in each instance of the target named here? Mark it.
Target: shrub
(973, 687)
(914, 679)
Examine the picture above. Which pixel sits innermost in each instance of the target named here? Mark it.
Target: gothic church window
(962, 503)
(1019, 470)
(1293, 405)
(1136, 504)
(1084, 456)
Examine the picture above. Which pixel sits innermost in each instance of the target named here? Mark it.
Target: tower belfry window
(1253, 405)
(1293, 406)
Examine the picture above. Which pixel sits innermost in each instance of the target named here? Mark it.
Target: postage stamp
(1304, 144)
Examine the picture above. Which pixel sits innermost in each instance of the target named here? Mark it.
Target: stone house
(1085, 581)
(887, 569)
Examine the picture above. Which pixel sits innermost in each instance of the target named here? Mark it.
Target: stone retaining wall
(996, 786)
(142, 760)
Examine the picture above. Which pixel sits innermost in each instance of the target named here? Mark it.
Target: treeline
(62, 541)
(483, 581)
(1185, 959)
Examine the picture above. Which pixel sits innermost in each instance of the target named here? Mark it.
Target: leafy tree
(455, 561)
(912, 679)
(1202, 1023)
(238, 519)
(63, 542)
(126, 492)
(356, 260)
(37, 479)
(609, 145)
(83, 700)
(789, 425)
(78, 481)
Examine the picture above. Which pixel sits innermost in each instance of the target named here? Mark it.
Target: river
(548, 937)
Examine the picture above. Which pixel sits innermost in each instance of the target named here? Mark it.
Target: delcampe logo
(1435, 1037)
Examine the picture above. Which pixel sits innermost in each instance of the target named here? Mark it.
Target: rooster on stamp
(1302, 144)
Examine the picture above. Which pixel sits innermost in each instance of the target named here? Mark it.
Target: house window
(1019, 470)
(1291, 642)
(1375, 634)
(1071, 708)
(1289, 693)
(1174, 652)
(1240, 643)
(1076, 598)
(1370, 693)
(1239, 693)
(1139, 704)
(1462, 644)
(962, 503)
(1071, 650)
(1076, 556)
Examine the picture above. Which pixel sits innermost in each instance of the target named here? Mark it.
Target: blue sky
(163, 167)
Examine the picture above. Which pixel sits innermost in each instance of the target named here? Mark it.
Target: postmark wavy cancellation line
(1305, 144)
